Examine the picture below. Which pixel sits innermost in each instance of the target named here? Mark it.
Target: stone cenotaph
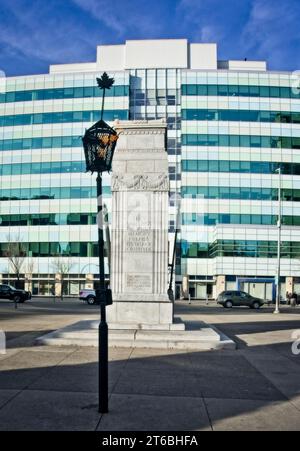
(142, 314)
(139, 244)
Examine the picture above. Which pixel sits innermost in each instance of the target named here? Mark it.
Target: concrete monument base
(141, 315)
(198, 337)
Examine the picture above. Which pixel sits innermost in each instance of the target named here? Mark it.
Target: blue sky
(36, 33)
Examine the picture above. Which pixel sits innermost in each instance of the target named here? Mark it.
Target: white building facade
(231, 125)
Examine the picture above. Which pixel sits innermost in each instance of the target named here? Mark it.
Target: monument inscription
(139, 241)
(139, 282)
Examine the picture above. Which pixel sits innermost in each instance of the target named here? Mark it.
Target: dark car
(19, 296)
(229, 299)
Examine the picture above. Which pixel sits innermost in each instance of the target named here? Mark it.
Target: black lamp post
(99, 144)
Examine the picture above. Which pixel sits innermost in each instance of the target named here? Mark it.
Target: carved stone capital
(155, 182)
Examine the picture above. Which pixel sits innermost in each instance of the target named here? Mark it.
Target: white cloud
(123, 17)
(39, 32)
(103, 11)
(272, 31)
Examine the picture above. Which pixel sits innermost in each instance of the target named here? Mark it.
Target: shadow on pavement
(151, 390)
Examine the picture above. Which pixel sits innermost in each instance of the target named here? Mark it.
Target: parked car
(88, 296)
(9, 292)
(229, 299)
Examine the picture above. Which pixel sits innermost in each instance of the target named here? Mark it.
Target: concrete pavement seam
(11, 399)
(208, 415)
(50, 367)
(266, 377)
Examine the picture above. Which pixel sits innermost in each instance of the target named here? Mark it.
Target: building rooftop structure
(159, 54)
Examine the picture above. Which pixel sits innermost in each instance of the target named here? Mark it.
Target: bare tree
(62, 267)
(30, 267)
(16, 255)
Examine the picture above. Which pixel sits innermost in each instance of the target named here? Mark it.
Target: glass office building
(231, 125)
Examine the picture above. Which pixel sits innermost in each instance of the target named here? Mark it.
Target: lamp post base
(103, 365)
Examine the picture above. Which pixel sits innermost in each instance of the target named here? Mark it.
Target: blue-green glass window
(256, 193)
(296, 143)
(57, 141)
(255, 141)
(192, 139)
(224, 192)
(235, 141)
(65, 166)
(203, 165)
(213, 166)
(213, 140)
(75, 193)
(267, 219)
(244, 90)
(66, 141)
(256, 219)
(224, 166)
(83, 249)
(213, 192)
(212, 90)
(65, 192)
(235, 219)
(6, 169)
(75, 249)
(26, 168)
(234, 193)
(46, 168)
(38, 119)
(202, 140)
(223, 90)
(36, 168)
(296, 195)
(245, 166)
(45, 193)
(192, 165)
(56, 167)
(203, 191)
(265, 91)
(241, 90)
(285, 92)
(16, 193)
(46, 142)
(34, 250)
(233, 90)
(234, 166)
(223, 140)
(191, 90)
(274, 91)
(266, 194)
(254, 91)
(245, 141)
(44, 249)
(54, 249)
(202, 90)
(245, 193)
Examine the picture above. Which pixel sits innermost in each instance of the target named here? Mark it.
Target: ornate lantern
(100, 140)
(99, 144)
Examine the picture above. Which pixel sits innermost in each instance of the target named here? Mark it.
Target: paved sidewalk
(256, 387)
